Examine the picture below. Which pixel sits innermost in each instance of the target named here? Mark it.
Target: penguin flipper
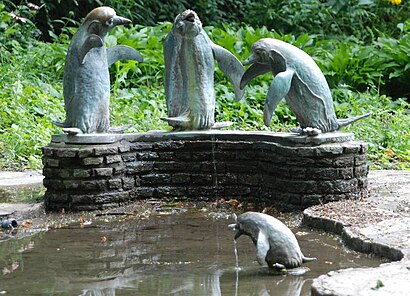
(231, 66)
(176, 101)
(254, 71)
(262, 247)
(91, 42)
(122, 52)
(277, 91)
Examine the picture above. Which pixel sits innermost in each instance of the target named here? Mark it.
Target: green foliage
(363, 75)
(379, 284)
(29, 97)
(330, 17)
(16, 26)
(386, 129)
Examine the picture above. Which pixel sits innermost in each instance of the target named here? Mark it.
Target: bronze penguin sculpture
(275, 242)
(189, 57)
(299, 80)
(86, 86)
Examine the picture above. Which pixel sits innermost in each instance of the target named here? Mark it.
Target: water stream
(189, 253)
(237, 268)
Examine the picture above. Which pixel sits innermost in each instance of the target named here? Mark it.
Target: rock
(386, 280)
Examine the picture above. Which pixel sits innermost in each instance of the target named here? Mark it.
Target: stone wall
(210, 166)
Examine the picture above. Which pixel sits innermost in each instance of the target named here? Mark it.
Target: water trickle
(236, 267)
(215, 173)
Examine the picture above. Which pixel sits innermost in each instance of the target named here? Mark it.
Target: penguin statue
(86, 85)
(300, 81)
(189, 57)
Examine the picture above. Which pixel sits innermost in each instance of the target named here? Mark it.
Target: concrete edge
(350, 238)
(280, 137)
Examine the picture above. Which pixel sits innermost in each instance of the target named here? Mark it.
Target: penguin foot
(277, 269)
(72, 130)
(311, 131)
(308, 131)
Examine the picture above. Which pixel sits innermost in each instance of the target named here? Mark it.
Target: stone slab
(283, 138)
(379, 224)
(26, 178)
(17, 186)
(87, 138)
(391, 279)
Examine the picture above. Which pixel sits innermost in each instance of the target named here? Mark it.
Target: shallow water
(190, 253)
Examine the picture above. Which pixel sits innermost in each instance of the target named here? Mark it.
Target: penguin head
(246, 224)
(260, 53)
(188, 23)
(102, 19)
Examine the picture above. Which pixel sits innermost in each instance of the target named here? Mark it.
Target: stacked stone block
(84, 177)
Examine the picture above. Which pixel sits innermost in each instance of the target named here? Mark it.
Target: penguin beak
(238, 234)
(232, 226)
(235, 226)
(250, 60)
(119, 20)
(190, 17)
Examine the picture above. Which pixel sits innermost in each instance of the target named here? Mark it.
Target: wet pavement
(378, 224)
(165, 251)
(20, 186)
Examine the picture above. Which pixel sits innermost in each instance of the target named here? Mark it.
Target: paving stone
(386, 280)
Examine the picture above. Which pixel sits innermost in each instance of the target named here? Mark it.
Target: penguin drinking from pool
(276, 245)
(299, 81)
(86, 85)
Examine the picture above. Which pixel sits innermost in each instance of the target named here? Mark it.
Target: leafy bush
(29, 94)
(358, 73)
(359, 18)
(386, 129)
(383, 64)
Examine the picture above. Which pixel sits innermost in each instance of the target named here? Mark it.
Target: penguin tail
(222, 124)
(347, 121)
(308, 259)
(119, 129)
(59, 123)
(177, 122)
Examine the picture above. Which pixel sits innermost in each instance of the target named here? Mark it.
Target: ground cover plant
(367, 68)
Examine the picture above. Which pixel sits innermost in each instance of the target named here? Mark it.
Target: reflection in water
(183, 254)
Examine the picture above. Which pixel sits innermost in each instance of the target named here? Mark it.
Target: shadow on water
(191, 253)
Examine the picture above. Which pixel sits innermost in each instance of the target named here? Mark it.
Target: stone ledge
(213, 135)
(15, 186)
(385, 280)
(263, 167)
(380, 239)
(380, 225)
